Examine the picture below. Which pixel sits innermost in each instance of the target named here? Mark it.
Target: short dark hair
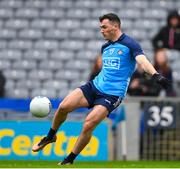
(112, 17)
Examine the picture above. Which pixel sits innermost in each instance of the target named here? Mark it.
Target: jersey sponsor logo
(113, 63)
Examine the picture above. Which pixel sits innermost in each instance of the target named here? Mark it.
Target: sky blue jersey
(118, 65)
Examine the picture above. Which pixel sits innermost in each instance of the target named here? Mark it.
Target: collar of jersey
(119, 39)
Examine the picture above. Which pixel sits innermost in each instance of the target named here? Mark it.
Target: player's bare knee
(63, 108)
(89, 126)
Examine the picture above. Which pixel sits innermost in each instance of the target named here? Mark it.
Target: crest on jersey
(120, 52)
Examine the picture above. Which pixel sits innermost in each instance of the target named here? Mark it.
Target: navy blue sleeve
(133, 45)
(136, 49)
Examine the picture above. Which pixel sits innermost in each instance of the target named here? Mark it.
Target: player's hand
(164, 82)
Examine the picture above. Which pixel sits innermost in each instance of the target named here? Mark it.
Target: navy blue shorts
(95, 97)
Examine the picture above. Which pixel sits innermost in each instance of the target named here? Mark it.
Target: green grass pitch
(101, 164)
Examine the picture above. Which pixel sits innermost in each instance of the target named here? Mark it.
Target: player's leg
(74, 100)
(71, 102)
(98, 113)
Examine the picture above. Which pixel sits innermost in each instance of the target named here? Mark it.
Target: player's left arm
(145, 64)
(149, 68)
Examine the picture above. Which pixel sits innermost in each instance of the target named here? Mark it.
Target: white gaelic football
(40, 106)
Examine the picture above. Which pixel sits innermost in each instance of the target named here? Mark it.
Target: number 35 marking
(160, 117)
